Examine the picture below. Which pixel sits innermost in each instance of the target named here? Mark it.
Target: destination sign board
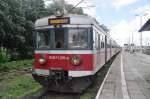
(59, 21)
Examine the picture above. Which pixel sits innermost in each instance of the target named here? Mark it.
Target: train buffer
(128, 78)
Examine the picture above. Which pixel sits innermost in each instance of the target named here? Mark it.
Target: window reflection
(78, 38)
(43, 39)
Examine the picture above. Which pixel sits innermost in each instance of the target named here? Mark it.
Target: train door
(110, 49)
(105, 48)
(99, 47)
(102, 51)
(59, 38)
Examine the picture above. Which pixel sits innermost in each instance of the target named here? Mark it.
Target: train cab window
(43, 39)
(59, 38)
(78, 38)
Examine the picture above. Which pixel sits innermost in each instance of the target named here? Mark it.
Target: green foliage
(51, 9)
(4, 56)
(19, 64)
(19, 86)
(17, 18)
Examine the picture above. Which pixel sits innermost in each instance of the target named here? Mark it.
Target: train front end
(63, 54)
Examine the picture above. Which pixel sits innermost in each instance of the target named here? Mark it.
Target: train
(70, 49)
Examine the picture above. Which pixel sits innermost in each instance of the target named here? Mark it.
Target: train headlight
(75, 61)
(42, 60)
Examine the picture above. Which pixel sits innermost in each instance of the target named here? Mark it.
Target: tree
(16, 22)
(33, 9)
(77, 10)
(51, 9)
(11, 22)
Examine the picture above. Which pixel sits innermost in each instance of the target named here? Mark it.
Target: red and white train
(70, 50)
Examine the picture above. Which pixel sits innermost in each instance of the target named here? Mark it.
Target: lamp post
(141, 35)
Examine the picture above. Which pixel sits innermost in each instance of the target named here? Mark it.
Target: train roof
(74, 20)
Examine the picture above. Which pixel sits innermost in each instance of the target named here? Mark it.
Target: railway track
(28, 70)
(45, 94)
(5, 75)
(90, 93)
(53, 95)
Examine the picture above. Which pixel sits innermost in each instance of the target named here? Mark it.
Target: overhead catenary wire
(75, 6)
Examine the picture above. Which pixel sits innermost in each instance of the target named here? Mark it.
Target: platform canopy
(146, 26)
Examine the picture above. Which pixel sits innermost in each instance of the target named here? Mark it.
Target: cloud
(141, 10)
(122, 31)
(120, 3)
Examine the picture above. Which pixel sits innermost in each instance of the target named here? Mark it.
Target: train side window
(108, 43)
(102, 42)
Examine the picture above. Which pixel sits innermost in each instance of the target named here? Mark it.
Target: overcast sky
(119, 17)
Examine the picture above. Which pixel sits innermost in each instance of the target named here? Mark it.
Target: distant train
(70, 50)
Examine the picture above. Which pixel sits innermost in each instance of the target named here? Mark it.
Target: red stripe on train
(63, 61)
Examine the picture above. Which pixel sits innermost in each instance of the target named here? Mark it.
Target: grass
(19, 64)
(14, 86)
(19, 86)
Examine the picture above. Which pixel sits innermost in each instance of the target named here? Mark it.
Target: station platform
(128, 78)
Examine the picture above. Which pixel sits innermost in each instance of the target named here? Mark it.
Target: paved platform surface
(129, 78)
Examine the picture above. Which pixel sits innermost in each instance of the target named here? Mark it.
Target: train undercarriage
(58, 81)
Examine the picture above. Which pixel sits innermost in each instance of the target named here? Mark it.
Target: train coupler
(58, 76)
